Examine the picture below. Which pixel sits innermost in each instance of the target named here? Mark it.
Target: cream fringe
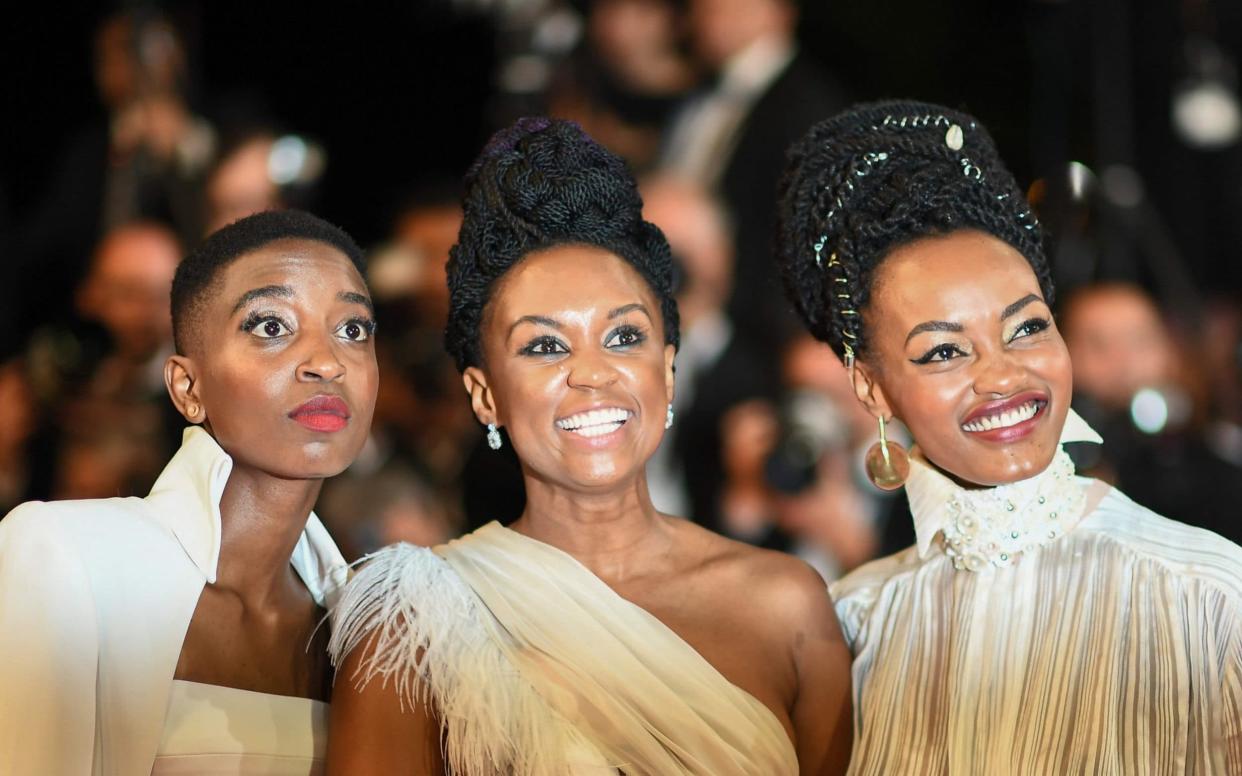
(425, 630)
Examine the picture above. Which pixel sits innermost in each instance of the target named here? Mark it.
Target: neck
(618, 535)
(262, 517)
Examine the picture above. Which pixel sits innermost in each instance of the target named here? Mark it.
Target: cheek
(1053, 364)
(927, 402)
(242, 398)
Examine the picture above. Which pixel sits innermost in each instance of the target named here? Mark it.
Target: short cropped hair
(200, 270)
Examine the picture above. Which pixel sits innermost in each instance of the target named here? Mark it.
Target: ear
(869, 391)
(670, 374)
(180, 377)
(482, 402)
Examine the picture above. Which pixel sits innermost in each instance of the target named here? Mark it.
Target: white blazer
(95, 600)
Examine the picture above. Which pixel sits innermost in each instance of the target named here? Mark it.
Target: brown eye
(355, 331)
(626, 337)
(269, 328)
(545, 346)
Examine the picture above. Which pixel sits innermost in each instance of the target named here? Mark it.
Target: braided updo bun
(538, 184)
(877, 177)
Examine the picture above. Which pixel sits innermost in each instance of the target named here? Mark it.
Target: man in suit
(733, 136)
(716, 369)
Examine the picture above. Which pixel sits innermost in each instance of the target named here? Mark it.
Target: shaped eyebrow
(1011, 310)
(353, 297)
(542, 320)
(625, 308)
(279, 292)
(1018, 305)
(934, 326)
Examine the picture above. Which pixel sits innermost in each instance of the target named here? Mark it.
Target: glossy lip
(322, 413)
(603, 440)
(1011, 433)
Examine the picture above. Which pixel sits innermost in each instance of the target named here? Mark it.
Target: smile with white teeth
(1005, 419)
(595, 422)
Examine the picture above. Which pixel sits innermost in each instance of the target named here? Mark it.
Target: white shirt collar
(930, 492)
(750, 71)
(186, 500)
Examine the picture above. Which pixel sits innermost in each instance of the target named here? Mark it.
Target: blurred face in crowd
(624, 33)
(282, 371)
(130, 61)
(719, 29)
(576, 368)
(1118, 342)
(128, 286)
(699, 238)
(964, 350)
(431, 231)
(241, 185)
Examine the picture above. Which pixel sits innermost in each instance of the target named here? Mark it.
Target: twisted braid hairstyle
(538, 184)
(874, 178)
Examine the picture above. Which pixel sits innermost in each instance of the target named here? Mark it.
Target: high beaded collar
(989, 527)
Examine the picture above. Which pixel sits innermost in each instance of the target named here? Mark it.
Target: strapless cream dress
(222, 731)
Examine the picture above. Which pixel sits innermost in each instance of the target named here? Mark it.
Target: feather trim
(425, 630)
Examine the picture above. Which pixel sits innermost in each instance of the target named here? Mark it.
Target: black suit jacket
(799, 97)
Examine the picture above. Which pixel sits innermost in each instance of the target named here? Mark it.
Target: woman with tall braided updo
(594, 634)
(1043, 623)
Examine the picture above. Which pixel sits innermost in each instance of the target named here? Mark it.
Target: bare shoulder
(774, 587)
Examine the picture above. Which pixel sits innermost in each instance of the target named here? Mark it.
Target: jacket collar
(186, 501)
(930, 491)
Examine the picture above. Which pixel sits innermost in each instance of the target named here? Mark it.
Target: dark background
(398, 92)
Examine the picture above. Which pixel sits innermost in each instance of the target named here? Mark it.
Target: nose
(997, 373)
(590, 371)
(320, 362)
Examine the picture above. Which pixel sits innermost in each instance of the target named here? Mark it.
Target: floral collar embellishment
(992, 526)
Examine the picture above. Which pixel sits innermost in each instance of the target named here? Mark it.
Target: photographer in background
(821, 497)
(1145, 395)
(144, 160)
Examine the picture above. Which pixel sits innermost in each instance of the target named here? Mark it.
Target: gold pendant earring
(887, 463)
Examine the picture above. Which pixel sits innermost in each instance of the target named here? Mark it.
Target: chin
(989, 468)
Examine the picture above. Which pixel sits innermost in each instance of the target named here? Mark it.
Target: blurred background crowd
(133, 130)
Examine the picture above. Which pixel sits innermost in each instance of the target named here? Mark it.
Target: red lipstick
(322, 413)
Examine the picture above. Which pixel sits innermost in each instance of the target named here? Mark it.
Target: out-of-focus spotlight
(1205, 105)
(293, 160)
(1149, 410)
(1206, 115)
(1081, 181)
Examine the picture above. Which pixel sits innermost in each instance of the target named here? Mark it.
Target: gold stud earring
(888, 466)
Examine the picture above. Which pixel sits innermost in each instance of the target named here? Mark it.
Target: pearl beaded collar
(990, 527)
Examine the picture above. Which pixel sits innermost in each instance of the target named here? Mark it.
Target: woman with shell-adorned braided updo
(1043, 623)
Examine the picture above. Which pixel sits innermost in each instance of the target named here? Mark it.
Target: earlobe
(474, 380)
(183, 389)
(670, 372)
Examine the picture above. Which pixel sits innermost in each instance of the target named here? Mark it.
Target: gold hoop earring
(888, 466)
